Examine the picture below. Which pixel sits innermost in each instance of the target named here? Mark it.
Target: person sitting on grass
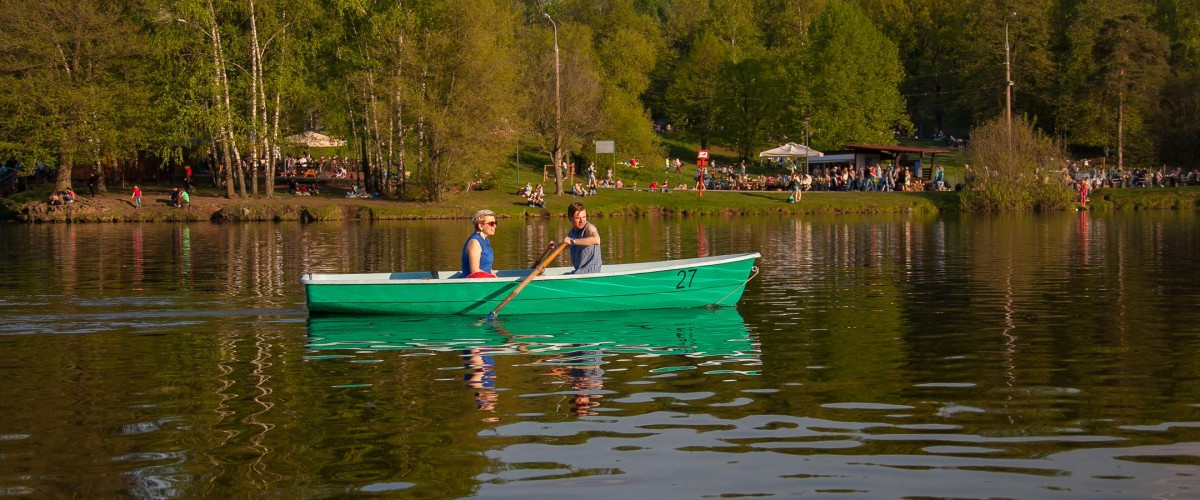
(538, 198)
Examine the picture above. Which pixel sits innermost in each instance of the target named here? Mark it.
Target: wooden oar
(549, 248)
(532, 274)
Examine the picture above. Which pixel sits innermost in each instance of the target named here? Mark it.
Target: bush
(1028, 173)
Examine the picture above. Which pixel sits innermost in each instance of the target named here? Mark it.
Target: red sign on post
(702, 158)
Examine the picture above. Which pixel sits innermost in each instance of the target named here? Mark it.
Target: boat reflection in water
(692, 332)
(568, 352)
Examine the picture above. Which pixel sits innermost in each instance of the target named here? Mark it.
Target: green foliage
(1021, 170)
(748, 103)
(580, 88)
(1117, 69)
(71, 82)
(442, 90)
(1178, 126)
(692, 94)
(855, 76)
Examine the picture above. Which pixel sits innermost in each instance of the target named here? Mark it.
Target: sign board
(702, 158)
(603, 147)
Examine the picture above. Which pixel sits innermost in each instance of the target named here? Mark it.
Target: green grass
(608, 203)
(628, 202)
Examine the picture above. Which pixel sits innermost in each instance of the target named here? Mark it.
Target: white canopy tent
(314, 140)
(791, 150)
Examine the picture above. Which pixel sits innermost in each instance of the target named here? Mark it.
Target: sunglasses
(490, 223)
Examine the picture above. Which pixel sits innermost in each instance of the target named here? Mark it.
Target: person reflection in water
(582, 370)
(481, 376)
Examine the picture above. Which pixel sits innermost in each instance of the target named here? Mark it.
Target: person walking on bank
(137, 196)
(584, 240)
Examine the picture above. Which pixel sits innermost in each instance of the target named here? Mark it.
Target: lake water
(1022, 356)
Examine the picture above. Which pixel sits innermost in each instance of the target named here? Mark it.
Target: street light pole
(1008, 83)
(557, 113)
(806, 145)
(1008, 90)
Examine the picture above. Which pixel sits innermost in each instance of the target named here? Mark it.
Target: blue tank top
(485, 257)
(585, 259)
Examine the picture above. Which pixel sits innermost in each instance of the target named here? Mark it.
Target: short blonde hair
(479, 217)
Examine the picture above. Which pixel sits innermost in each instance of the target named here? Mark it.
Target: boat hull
(710, 281)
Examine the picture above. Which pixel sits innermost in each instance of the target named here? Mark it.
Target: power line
(947, 92)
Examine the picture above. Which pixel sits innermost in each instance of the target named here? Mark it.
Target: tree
(749, 98)
(582, 113)
(463, 83)
(63, 80)
(1118, 67)
(1178, 127)
(1132, 59)
(627, 42)
(933, 61)
(854, 81)
(692, 94)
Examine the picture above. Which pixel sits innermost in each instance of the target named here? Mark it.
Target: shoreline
(208, 207)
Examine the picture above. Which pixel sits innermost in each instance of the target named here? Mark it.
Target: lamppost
(1008, 83)
(806, 146)
(1008, 90)
(557, 113)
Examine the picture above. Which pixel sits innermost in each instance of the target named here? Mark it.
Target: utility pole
(1121, 119)
(558, 160)
(806, 145)
(1008, 87)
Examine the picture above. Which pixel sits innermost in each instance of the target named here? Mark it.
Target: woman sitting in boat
(584, 240)
(477, 251)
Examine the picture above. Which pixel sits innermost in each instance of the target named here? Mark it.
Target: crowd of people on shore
(842, 177)
(305, 165)
(1100, 176)
(876, 177)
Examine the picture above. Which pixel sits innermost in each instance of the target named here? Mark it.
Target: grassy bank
(206, 207)
(209, 204)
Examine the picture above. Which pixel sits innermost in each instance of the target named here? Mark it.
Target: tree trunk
(1121, 120)
(361, 170)
(270, 184)
(62, 181)
(221, 85)
(430, 185)
(376, 138)
(255, 102)
(399, 113)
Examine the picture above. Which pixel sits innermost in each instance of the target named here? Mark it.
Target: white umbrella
(314, 140)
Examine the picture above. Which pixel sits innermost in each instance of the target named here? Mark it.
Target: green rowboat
(684, 283)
